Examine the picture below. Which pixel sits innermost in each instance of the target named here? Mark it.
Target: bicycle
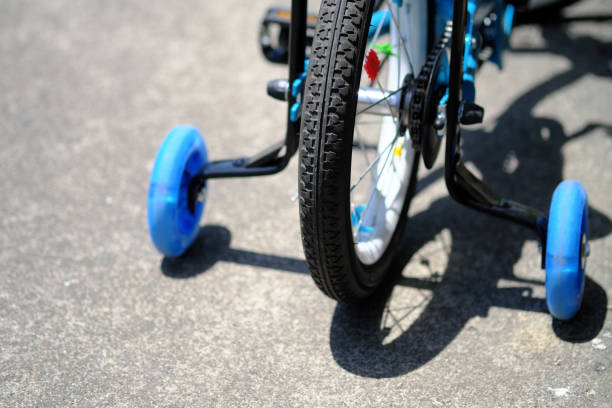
(373, 88)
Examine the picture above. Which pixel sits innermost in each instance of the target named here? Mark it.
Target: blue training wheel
(172, 226)
(566, 249)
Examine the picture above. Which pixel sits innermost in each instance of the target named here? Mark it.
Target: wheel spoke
(401, 39)
(382, 64)
(378, 30)
(362, 146)
(374, 189)
(386, 99)
(376, 160)
(381, 100)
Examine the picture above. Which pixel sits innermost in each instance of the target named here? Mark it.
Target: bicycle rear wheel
(357, 165)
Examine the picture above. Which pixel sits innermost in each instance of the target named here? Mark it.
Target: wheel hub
(406, 96)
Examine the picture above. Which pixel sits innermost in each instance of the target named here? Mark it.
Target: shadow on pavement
(213, 245)
(554, 15)
(520, 158)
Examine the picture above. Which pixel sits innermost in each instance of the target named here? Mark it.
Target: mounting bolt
(440, 121)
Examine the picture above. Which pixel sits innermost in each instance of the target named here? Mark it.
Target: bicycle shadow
(212, 245)
(468, 285)
(524, 162)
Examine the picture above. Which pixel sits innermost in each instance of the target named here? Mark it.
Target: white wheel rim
(376, 209)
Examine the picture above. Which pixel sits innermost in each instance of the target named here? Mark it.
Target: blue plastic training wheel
(566, 249)
(172, 226)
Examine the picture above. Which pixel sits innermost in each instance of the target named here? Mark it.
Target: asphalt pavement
(92, 315)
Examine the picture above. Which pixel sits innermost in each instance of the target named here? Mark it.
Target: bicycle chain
(422, 86)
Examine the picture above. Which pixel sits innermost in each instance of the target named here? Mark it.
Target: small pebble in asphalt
(598, 344)
(559, 392)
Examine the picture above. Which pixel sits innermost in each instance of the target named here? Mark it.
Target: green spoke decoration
(386, 49)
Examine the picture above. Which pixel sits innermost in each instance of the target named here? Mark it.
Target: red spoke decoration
(372, 65)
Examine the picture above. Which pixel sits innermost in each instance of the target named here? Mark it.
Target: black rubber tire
(328, 120)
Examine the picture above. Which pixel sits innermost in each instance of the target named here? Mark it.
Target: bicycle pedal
(274, 34)
(278, 89)
(470, 113)
(281, 15)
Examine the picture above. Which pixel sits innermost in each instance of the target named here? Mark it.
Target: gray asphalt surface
(92, 315)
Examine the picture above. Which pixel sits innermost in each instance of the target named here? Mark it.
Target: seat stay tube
(462, 185)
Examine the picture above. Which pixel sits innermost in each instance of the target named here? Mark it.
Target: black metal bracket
(269, 161)
(462, 185)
